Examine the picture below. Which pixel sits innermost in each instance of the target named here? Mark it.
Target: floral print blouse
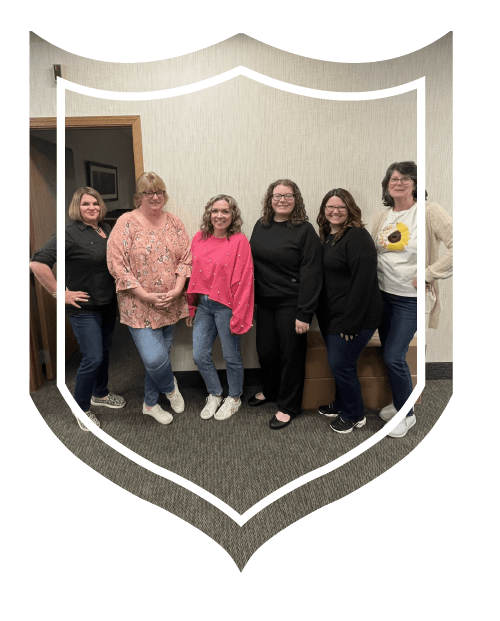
(152, 259)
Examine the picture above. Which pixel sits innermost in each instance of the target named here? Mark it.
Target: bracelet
(54, 295)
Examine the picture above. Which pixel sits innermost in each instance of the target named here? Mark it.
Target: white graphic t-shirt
(397, 252)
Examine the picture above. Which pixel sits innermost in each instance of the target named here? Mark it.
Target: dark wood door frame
(83, 122)
(101, 122)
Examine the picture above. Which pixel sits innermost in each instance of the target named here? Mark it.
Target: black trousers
(282, 356)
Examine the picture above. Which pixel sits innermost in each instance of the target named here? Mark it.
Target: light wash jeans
(211, 319)
(154, 348)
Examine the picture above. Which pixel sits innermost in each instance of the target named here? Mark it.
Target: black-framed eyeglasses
(159, 193)
(287, 197)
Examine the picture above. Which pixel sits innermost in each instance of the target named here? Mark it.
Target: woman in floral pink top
(150, 260)
(220, 294)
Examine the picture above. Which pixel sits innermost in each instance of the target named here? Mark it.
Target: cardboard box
(319, 386)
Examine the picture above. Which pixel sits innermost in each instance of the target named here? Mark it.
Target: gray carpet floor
(239, 460)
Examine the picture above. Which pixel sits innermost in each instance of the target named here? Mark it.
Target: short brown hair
(74, 207)
(207, 227)
(148, 182)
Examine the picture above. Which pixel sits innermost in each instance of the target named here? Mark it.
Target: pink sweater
(223, 270)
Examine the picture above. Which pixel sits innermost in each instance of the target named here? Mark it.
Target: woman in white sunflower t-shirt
(395, 235)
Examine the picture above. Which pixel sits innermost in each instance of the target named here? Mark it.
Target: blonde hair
(148, 182)
(74, 208)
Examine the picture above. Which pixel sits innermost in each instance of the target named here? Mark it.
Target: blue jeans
(153, 346)
(93, 332)
(211, 319)
(342, 357)
(399, 324)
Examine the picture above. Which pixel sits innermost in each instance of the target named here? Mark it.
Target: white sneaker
(213, 402)
(92, 418)
(388, 412)
(402, 429)
(228, 408)
(176, 400)
(158, 413)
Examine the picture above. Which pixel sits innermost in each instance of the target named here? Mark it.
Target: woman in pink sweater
(221, 299)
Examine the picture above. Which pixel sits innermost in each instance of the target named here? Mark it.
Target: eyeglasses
(159, 194)
(287, 197)
(339, 209)
(404, 180)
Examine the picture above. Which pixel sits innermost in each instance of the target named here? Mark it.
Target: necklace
(97, 230)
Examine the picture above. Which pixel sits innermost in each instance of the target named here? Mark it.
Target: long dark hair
(409, 169)
(298, 214)
(353, 215)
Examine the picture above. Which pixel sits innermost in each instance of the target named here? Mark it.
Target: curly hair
(207, 228)
(353, 215)
(149, 182)
(409, 169)
(298, 215)
(74, 207)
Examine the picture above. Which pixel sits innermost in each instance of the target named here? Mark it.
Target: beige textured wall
(239, 136)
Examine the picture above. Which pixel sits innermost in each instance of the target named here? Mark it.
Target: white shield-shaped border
(274, 555)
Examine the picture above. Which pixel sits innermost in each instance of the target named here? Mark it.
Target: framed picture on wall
(104, 179)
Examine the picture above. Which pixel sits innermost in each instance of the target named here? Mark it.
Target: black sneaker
(328, 410)
(345, 426)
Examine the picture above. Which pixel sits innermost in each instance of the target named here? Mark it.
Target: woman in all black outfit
(351, 306)
(287, 264)
(90, 296)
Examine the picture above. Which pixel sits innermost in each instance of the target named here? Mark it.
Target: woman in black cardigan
(287, 264)
(350, 307)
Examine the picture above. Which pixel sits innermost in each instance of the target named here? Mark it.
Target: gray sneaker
(110, 401)
(176, 400)
(92, 418)
(388, 412)
(404, 426)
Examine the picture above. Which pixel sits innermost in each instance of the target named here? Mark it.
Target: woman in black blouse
(351, 306)
(90, 296)
(287, 264)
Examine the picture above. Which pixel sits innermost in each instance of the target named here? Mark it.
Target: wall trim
(193, 379)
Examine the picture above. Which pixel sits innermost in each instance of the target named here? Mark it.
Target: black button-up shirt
(86, 266)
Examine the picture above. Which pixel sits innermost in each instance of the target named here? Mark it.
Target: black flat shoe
(254, 402)
(274, 423)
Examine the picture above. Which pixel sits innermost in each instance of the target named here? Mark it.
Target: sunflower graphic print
(396, 244)
(394, 237)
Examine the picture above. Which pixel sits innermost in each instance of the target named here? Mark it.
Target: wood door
(43, 223)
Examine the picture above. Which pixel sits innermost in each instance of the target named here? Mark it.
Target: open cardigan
(438, 228)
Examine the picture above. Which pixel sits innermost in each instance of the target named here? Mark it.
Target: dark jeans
(282, 356)
(342, 357)
(93, 332)
(399, 324)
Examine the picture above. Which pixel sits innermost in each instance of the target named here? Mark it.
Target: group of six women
(354, 284)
